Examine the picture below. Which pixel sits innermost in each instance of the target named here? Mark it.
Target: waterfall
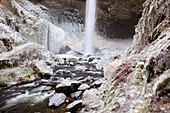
(90, 27)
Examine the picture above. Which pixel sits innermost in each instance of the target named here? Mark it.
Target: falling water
(90, 27)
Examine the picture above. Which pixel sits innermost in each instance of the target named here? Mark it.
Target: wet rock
(54, 38)
(74, 106)
(2, 47)
(75, 53)
(42, 70)
(57, 99)
(4, 63)
(80, 68)
(79, 78)
(6, 43)
(91, 58)
(3, 84)
(90, 94)
(90, 99)
(97, 83)
(89, 79)
(64, 49)
(76, 94)
(60, 71)
(83, 87)
(67, 86)
(17, 75)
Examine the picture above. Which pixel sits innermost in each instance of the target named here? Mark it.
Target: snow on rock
(57, 99)
(53, 37)
(74, 105)
(67, 86)
(28, 9)
(84, 87)
(98, 82)
(90, 94)
(43, 70)
(107, 57)
(90, 99)
(76, 94)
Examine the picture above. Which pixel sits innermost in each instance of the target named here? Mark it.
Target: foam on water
(27, 97)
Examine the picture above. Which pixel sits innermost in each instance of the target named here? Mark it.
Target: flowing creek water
(34, 97)
(69, 72)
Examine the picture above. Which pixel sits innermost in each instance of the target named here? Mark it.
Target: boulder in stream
(57, 99)
(67, 86)
(84, 87)
(74, 106)
(76, 94)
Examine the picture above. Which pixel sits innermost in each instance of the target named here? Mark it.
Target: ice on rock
(27, 97)
(57, 99)
(74, 105)
(84, 87)
(76, 94)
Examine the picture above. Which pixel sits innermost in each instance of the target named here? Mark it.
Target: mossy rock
(32, 38)
(16, 75)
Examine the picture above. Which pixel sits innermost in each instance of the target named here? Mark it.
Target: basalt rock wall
(115, 18)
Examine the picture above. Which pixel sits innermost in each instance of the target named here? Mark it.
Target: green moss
(24, 21)
(9, 21)
(18, 75)
(17, 28)
(9, 3)
(3, 84)
(19, 52)
(142, 66)
(79, 109)
(160, 28)
(147, 67)
(14, 10)
(129, 52)
(164, 87)
(32, 38)
(7, 79)
(149, 76)
(112, 109)
(103, 97)
(35, 28)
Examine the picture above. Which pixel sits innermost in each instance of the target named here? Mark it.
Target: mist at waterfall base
(90, 27)
(82, 37)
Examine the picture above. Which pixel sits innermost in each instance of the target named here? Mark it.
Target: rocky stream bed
(34, 78)
(59, 93)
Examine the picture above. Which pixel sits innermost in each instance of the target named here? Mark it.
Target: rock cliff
(154, 21)
(137, 83)
(140, 82)
(115, 18)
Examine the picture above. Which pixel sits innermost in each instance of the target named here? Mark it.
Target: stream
(34, 97)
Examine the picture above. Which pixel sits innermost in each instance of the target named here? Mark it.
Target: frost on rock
(27, 98)
(155, 19)
(74, 105)
(107, 57)
(57, 99)
(28, 61)
(140, 81)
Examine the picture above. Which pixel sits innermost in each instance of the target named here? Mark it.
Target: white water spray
(90, 27)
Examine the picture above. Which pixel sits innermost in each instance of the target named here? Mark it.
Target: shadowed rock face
(115, 19)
